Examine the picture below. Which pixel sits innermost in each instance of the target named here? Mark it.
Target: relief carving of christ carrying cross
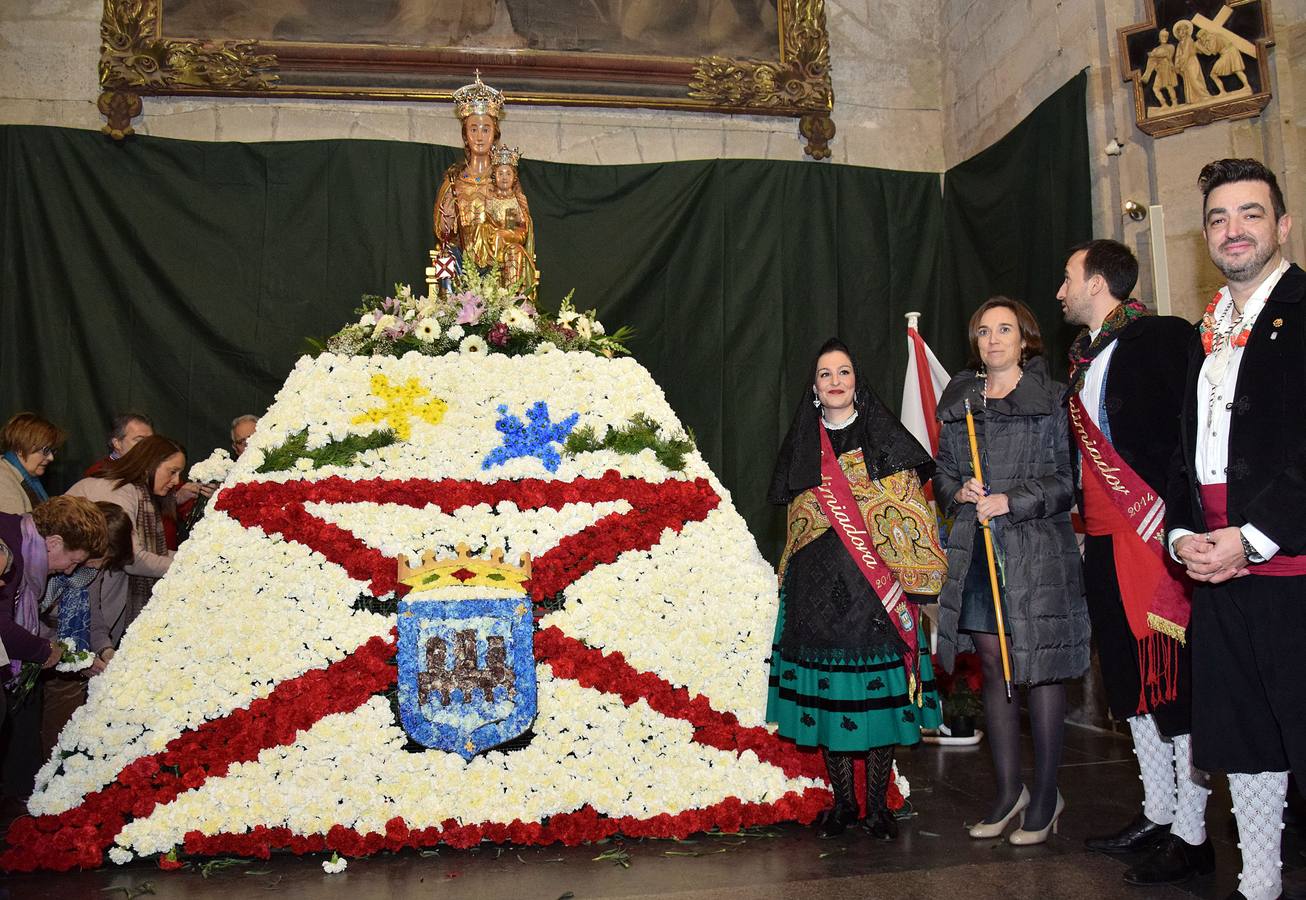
(1192, 67)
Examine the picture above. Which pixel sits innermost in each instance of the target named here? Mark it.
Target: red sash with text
(1156, 598)
(836, 499)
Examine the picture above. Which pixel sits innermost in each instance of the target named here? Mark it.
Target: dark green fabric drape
(1014, 209)
(179, 278)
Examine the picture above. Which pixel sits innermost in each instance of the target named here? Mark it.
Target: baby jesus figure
(507, 234)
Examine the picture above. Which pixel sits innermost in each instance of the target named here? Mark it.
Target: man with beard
(1127, 380)
(1235, 501)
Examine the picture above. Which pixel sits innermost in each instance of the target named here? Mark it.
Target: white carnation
(215, 468)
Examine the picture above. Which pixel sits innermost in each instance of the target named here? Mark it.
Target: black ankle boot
(835, 821)
(881, 825)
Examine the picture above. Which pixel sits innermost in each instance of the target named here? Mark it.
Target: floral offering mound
(467, 629)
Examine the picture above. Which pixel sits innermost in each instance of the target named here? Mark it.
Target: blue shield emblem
(466, 672)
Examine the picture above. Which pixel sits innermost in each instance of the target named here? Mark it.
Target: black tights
(879, 769)
(1047, 718)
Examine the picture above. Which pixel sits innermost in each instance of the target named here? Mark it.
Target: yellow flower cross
(401, 405)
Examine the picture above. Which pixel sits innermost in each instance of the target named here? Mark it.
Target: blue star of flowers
(534, 437)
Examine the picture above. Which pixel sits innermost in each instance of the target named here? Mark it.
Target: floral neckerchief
(1086, 348)
(1213, 337)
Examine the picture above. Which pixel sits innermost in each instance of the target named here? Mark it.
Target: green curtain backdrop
(1013, 210)
(179, 278)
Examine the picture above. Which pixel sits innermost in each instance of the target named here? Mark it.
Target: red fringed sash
(1155, 596)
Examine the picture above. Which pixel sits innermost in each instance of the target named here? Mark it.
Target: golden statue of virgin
(480, 210)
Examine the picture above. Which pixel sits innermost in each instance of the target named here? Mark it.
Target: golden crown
(478, 99)
(465, 570)
(505, 156)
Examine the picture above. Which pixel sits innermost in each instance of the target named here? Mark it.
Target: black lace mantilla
(886, 444)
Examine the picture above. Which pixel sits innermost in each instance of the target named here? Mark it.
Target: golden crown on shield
(465, 570)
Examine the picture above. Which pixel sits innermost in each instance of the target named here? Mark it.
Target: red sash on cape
(835, 496)
(1156, 599)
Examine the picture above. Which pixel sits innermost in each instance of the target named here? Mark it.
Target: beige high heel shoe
(1022, 838)
(982, 830)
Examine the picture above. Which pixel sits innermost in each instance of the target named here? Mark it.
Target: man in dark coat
(1236, 497)
(1127, 376)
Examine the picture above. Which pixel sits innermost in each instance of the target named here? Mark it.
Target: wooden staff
(988, 550)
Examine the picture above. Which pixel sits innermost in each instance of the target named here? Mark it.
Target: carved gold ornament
(138, 58)
(135, 60)
(799, 82)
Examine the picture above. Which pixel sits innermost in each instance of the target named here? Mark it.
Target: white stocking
(1190, 810)
(1258, 807)
(1156, 768)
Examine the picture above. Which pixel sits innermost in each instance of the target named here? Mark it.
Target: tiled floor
(932, 858)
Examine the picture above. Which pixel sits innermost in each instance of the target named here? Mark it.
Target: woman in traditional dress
(847, 672)
(139, 481)
(1026, 497)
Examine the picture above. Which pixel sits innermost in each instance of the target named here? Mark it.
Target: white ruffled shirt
(1215, 415)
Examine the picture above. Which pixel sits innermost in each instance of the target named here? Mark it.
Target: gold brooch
(1277, 323)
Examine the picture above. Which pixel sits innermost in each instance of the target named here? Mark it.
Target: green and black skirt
(837, 677)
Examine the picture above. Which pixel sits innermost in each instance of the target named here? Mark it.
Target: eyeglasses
(46, 451)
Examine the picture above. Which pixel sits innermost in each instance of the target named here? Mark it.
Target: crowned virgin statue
(481, 216)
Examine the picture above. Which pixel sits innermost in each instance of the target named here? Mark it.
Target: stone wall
(887, 76)
(1003, 57)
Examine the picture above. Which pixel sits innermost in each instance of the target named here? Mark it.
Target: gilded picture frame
(157, 47)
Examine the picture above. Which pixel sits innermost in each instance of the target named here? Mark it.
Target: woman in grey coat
(1027, 495)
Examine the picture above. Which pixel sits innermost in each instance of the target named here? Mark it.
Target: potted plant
(960, 693)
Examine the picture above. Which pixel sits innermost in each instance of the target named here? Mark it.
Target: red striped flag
(925, 380)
